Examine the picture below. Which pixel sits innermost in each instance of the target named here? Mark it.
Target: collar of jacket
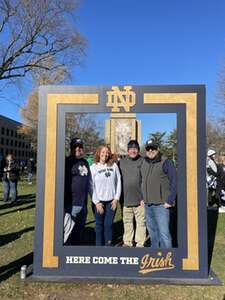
(135, 158)
(158, 158)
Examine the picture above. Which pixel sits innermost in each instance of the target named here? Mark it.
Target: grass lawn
(16, 249)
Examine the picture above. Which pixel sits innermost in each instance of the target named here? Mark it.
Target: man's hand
(99, 208)
(142, 204)
(166, 205)
(114, 204)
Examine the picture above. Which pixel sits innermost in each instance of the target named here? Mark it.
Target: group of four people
(146, 186)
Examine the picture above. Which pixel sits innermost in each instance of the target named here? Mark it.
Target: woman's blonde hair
(110, 159)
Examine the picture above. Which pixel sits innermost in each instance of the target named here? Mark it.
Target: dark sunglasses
(148, 148)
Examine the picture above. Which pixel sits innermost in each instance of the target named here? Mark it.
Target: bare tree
(38, 35)
(221, 94)
(158, 137)
(171, 144)
(79, 125)
(215, 137)
(30, 116)
(29, 111)
(84, 126)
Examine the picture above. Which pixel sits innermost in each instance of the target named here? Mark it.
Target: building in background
(13, 142)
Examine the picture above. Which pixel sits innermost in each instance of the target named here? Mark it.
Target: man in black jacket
(10, 178)
(159, 191)
(77, 187)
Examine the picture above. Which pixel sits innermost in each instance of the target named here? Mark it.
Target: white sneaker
(222, 209)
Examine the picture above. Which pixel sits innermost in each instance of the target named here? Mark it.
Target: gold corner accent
(190, 100)
(49, 259)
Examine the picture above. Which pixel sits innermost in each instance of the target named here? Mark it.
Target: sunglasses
(150, 149)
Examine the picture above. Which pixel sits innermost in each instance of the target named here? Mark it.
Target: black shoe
(11, 203)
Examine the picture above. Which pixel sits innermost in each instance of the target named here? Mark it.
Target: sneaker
(222, 209)
(126, 246)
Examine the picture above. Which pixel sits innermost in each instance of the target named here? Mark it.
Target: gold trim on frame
(190, 99)
(49, 259)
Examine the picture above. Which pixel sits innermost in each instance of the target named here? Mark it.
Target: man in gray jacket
(133, 208)
(159, 191)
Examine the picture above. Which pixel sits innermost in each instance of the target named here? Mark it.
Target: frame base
(212, 279)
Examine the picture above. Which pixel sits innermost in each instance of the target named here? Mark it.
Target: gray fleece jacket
(131, 180)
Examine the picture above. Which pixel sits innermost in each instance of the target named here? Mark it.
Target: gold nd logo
(117, 98)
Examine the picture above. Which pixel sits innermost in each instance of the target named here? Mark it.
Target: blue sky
(147, 42)
(149, 123)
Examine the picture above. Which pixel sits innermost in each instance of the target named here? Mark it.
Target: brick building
(13, 142)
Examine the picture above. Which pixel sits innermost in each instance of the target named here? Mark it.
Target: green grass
(16, 240)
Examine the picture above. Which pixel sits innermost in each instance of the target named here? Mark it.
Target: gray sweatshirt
(131, 180)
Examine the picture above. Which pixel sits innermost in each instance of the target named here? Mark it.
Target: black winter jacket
(10, 170)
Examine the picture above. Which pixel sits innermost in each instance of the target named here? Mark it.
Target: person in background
(10, 178)
(159, 191)
(90, 158)
(1, 166)
(132, 198)
(77, 186)
(211, 177)
(30, 170)
(220, 188)
(106, 193)
(22, 167)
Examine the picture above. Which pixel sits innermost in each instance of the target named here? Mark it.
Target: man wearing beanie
(77, 186)
(130, 168)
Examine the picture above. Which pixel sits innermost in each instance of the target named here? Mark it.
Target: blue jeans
(157, 222)
(29, 177)
(79, 215)
(10, 186)
(103, 225)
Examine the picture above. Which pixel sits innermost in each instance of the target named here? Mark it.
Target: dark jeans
(103, 225)
(213, 197)
(157, 222)
(10, 186)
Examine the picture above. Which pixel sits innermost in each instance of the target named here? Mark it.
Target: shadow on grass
(18, 209)
(89, 223)
(88, 237)
(26, 197)
(212, 224)
(117, 239)
(173, 225)
(21, 200)
(10, 237)
(13, 267)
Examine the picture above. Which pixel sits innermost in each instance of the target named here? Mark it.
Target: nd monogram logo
(117, 98)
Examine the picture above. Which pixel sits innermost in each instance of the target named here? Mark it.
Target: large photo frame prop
(188, 262)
